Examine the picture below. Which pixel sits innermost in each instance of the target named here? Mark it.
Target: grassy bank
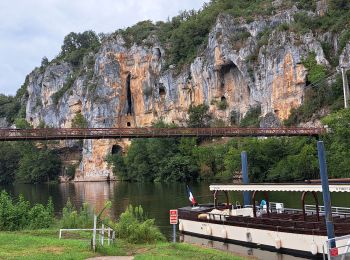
(44, 244)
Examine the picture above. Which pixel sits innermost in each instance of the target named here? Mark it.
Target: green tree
(252, 117)
(338, 143)
(21, 123)
(38, 165)
(79, 121)
(9, 158)
(199, 116)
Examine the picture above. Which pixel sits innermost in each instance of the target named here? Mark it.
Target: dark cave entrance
(116, 149)
(225, 70)
(161, 90)
(130, 109)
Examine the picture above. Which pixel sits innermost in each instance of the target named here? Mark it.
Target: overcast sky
(32, 29)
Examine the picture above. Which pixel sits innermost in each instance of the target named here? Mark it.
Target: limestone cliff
(131, 88)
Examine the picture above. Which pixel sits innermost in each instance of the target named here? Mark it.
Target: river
(156, 200)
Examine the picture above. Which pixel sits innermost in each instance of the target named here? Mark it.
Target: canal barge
(268, 226)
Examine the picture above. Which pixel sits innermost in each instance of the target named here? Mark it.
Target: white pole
(102, 233)
(94, 234)
(60, 234)
(345, 87)
(109, 235)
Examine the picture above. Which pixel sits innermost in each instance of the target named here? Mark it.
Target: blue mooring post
(325, 191)
(246, 194)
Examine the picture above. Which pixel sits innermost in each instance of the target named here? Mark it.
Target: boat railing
(336, 210)
(341, 251)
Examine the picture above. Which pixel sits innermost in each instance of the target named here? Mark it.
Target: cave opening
(223, 99)
(161, 90)
(130, 108)
(224, 71)
(116, 149)
(128, 124)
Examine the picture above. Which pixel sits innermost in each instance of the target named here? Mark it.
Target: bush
(71, 218)
(20, 215)
(79, 121)
(252, 117)
(222, 105)
(66, 86)
(135, 228)
(38, 165)
(199, 116)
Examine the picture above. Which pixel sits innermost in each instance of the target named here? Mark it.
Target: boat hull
(291, 243)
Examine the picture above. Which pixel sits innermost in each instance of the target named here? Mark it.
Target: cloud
(30, 30)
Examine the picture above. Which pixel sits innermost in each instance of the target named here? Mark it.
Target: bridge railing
(104, 133)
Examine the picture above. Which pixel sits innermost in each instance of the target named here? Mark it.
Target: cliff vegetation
(248, 63)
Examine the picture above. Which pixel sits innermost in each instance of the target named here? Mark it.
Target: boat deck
(288, 221)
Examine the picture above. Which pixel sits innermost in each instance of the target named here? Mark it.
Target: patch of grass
(44, 244)
(183, 251)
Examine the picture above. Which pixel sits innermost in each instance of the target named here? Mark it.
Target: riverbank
(44, 244)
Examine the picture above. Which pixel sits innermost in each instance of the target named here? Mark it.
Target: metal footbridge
(145, 132)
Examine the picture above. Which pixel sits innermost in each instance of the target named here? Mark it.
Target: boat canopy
(279, 187)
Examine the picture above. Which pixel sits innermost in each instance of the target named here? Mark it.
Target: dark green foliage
(79, 121)
(9, 159)
(14, 107)
(300, 166)
(222, 105)
(19, 214)
(307, 4)
(199, 116)
(71, 170)
(283, 27)
(66, 86)
(21, 123)
(263, 37)
(339, 4)
(338, 143)
(234, 117)
(9, 107)
(72, 218)
(138, 32)
(77, 45)
(186, 33)
(316, 72)
(344, 39)
(135, 228)
(252, 117)
(178, 168)
(37, 165)
(318, 94)
(268, 158)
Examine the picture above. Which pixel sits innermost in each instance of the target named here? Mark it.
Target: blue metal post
(325, 191)
(174, 233)
(246, 194)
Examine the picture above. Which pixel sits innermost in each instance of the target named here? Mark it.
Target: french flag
(190, 196)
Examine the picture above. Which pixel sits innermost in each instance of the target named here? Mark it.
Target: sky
(32, 29)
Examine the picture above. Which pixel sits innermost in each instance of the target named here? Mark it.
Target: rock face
(131, 88)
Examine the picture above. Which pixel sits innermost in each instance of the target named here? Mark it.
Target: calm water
(155, 198)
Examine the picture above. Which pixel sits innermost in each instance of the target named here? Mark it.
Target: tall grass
(135, 228)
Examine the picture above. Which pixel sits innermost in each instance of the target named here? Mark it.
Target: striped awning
(279, 187)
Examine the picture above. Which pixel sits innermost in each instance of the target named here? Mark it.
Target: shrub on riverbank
(72, 218)
(17, 215)
(135, 228)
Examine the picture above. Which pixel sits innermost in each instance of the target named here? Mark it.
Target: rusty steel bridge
(145, 132)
